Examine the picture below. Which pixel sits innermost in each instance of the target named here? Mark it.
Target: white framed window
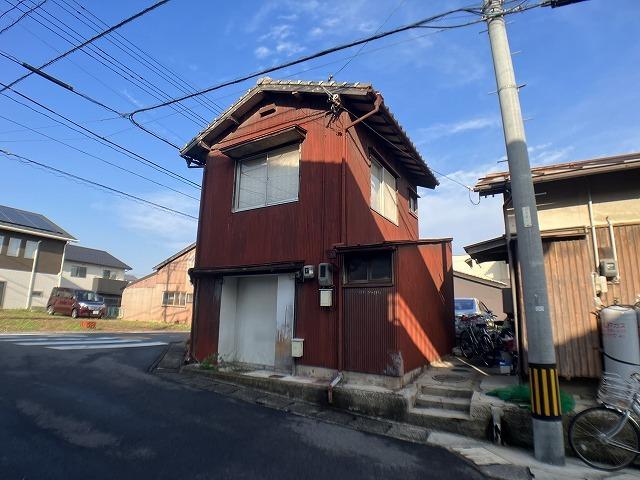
(30, 249)
(1, 243)
(13, 249)
(268, 179)
(78, 271)
(384, 195)
(413, 202)
(174, 299)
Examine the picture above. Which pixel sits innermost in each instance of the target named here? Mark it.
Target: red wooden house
(309, 230)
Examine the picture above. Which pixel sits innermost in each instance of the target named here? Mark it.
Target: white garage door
(249, 311)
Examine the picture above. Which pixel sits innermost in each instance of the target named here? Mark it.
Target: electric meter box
(308, 272)
(325, 275)
(608, 268)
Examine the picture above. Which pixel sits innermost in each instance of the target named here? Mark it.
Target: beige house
(589, 214)
(165, 295)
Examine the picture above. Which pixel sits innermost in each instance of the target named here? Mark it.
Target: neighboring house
(488, 282)
(95, 270)
(165, 295)
(589, 214)
(309, 230)
(31, 252)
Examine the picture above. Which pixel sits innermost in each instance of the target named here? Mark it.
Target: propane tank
(620, 340)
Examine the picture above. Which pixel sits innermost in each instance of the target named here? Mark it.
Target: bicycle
(475, 341)
(607, 437)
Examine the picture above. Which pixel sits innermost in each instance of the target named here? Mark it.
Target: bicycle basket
(617, 392)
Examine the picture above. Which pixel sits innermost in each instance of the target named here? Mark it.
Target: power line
(115, 165)
(13, 7)
(115, 191)
(100, 138)
(24, 14)
(365, 44)
(92, 39)
(306, 58)
(109, 62)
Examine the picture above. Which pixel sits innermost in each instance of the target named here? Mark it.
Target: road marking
(120, 345)
(71, 342)
(80, 342)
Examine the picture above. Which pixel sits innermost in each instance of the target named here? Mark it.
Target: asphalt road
(96, 413)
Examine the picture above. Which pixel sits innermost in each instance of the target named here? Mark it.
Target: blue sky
(580, 64)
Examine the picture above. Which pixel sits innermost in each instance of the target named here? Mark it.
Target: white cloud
(289, 48)
(170, 230)
(277, 32)
(546, 156)
(439, 130)
(316, 32)
(262, 52)
(132, 99)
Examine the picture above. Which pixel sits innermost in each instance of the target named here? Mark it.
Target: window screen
(268, 179)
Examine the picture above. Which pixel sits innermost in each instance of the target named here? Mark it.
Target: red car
(77, 303)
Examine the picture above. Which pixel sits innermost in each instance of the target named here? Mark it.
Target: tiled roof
(359, 98)
(75, 253)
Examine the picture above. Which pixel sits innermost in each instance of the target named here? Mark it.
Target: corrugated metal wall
(568, 267)
(627, 239)
(369, 331)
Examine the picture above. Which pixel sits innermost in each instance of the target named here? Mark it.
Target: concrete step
(445, 391)
(448, 403)
(439, 413)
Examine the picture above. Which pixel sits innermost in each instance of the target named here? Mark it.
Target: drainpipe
(343, 220)
(33, 275)
(64, 254)
(596, 255)
(612, 238)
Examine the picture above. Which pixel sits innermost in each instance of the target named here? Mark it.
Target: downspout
(64, 254)
(596, 255)
(33, 275)
(612, 239)
(343, 228)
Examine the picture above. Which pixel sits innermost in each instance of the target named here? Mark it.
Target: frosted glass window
(13, 250)
(384, 198)
(30, 249)
(269, 179)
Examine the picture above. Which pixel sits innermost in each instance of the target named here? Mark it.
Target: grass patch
(19, 321)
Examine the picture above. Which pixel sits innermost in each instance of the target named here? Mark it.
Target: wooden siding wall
(424, 303)
(365, 225)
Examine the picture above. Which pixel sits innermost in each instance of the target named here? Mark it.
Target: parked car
(77, 303)
(471, 307)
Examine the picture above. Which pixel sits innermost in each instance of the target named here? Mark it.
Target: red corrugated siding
(204, 328)
(424, 305)
(369, 331)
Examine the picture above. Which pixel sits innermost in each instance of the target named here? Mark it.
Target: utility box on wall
(325, 275)
(326, 297)
(297, 347)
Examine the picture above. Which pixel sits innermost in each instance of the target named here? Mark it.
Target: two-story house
(308, 257)
(589, 215)
(31, 253)
(166, 294)
(96, 270)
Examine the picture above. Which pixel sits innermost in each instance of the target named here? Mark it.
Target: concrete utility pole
(543, 375)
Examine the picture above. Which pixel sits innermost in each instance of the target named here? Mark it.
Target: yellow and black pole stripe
(545, 391)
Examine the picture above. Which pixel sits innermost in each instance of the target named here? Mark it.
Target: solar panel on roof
(27, 219)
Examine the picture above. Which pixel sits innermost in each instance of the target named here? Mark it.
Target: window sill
(246, 209)
(175, 306)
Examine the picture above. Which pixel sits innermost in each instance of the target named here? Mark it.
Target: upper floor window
(78, 272)
(1, 242)
(109, 274)
(268, 179)
(13, 249)
(383, 191)
(30, 249)
(413, 202)
(368, 267)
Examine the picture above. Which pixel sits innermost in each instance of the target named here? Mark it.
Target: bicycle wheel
(587, 437)
(486, 349)
(467, 345)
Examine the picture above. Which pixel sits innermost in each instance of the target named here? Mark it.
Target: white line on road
(110, 345)
(43, 343)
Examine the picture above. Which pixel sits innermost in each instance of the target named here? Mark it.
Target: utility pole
(543, 376)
